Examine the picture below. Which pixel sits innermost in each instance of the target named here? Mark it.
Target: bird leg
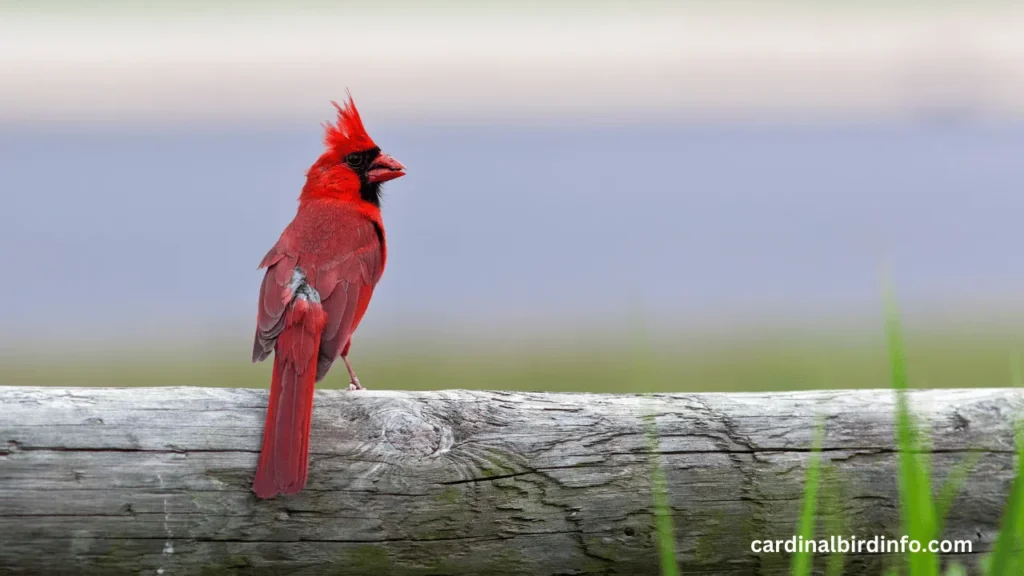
(353, 381)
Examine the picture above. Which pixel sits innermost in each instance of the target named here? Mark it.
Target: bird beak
(385, 168)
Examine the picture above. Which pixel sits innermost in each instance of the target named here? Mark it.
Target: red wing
(349, 265)
(341, 286)
(275, 296)
(341, 311)
(364, 301)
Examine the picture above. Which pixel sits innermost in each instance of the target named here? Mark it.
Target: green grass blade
(951, 488)
(917, 509)
(803, 560)
(1006, 552)
(662, 511)
(1018, 382)
(835, 522)
(956, 569)
(642, 370)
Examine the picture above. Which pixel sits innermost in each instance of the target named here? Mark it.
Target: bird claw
(355, 385)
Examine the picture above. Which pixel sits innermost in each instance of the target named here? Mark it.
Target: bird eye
(354, 160)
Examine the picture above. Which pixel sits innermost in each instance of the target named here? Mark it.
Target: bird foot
(355, 385)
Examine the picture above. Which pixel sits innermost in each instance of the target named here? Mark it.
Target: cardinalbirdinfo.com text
(853, 544)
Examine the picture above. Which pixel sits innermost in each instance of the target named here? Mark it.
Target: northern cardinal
(319, 280)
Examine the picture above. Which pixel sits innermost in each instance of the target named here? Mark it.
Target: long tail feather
(284, 457)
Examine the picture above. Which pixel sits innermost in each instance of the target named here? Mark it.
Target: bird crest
(347, 133)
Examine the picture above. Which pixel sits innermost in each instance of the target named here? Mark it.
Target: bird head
(352, 167)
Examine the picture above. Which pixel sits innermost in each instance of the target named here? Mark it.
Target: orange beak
(385, 168)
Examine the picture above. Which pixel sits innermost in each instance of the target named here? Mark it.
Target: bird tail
(284, 456)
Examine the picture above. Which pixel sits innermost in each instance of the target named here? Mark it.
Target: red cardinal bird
(320, 277)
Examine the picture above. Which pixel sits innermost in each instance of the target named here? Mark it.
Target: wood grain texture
(156, 480)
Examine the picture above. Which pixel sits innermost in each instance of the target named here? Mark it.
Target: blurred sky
(702, 162)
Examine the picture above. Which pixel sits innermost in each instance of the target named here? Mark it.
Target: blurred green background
(751, 360)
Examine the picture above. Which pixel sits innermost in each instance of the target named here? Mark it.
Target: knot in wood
(414, 433)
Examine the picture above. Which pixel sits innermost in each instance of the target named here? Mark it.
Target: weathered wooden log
(156, 480)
